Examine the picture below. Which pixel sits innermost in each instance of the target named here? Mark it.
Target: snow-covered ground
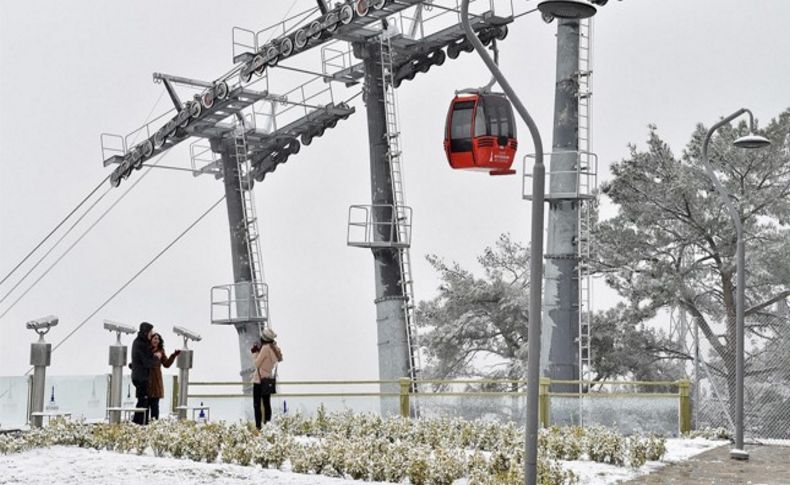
(83, 466)
(678, 449)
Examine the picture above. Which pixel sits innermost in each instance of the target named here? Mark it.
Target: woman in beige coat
(156, 388)
(264, 356)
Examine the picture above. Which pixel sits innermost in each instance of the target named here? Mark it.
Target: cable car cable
(85, 233)
(134, 277)
(150, 113)
(54, 229)
(54, 246)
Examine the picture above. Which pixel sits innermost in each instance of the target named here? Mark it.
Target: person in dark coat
(156, 387)
(143, 361)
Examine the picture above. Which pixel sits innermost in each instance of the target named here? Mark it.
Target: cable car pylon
(347, 34)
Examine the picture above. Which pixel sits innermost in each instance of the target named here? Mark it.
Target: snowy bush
(710, 433)
(360, 446)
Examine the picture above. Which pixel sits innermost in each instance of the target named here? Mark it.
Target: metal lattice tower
(399, 201)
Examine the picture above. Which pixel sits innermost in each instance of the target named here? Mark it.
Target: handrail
(448, 381)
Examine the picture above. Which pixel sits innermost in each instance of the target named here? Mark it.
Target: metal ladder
(585, 162)
(244, 166)
(399, 202)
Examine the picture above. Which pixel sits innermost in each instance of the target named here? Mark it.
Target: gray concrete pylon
(390, 319)
(561, 284)
(247, 331)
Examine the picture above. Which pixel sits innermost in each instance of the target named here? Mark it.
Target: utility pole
(561, 295)
(390, 318)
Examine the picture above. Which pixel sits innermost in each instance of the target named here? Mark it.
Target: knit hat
(269, 334)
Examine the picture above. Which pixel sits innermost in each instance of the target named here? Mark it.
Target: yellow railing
(404, 392)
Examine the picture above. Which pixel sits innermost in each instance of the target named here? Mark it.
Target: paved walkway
(767, 465)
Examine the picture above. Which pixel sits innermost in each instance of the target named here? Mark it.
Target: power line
(53, 230)
(131, 280)
(85, 233)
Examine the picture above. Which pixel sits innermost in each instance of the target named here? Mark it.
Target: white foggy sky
(72, 70)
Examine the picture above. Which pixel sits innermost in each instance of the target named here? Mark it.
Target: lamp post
(749, 141)
(566, 9)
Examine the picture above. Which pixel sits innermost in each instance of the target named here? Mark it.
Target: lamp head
(566, 9)
(752, 141)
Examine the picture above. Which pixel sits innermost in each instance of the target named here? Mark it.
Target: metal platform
(406, 50)
(379, 226)
(578, 184)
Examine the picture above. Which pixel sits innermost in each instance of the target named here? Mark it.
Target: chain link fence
(766, 381)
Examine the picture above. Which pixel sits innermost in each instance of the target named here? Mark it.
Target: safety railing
(336, 55)
(306, 95)
(239, 302)
(203, 159)
(378, 225)
(431, 17)
(112, 145)
(578, 183)
(629, 406)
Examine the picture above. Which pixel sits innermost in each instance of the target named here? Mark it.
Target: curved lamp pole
(749, 141)
(535, 259)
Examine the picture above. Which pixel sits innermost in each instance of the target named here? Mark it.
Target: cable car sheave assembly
(357, 21)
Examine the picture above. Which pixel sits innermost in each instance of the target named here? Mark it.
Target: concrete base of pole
(736, 454)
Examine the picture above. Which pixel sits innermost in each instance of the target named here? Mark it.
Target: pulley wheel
(362, 7)
(346, 14)
(147, 148)
(221, 90)
(286, 47)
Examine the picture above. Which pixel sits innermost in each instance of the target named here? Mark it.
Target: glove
(255, 349)
(130, 365)
(176, 353)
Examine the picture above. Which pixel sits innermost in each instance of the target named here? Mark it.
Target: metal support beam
(247, 331)
(561, 294)
(173, 95)
(391, 324)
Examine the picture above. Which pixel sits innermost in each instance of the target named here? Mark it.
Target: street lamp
(536, 246)
(749, 141)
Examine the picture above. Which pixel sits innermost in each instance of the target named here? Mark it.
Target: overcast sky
(72, 70)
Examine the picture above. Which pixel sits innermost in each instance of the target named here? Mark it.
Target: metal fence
(766, 382)
(660, 407)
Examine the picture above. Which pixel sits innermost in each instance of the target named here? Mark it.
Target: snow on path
(678, 449)
(85, 466)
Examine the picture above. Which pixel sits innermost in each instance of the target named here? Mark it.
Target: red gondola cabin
(481, 133)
